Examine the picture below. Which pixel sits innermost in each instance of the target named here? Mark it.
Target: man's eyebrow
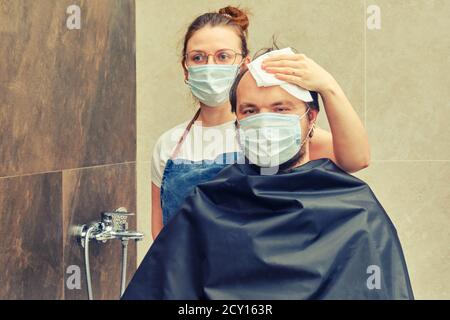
(247, 104)
(274, 104)
(282, 102)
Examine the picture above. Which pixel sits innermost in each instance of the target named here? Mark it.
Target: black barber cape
(314, 232)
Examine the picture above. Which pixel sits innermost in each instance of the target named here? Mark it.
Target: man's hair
(233, 90)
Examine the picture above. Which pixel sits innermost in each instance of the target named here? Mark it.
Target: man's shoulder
(319, 174)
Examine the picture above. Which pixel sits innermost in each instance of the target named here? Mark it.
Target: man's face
(252, 100)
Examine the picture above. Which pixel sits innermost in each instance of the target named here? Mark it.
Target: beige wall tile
(416, 197)
(408, 94)
(144, 208)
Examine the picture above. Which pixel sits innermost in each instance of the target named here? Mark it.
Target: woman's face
(212, 39)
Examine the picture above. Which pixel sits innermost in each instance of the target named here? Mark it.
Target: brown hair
(228, 16)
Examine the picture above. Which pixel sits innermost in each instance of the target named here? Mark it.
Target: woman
(215, 48)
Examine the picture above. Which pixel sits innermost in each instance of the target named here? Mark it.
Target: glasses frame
(214, 57)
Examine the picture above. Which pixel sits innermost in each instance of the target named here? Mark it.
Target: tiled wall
(67, 142)
(407, 98)
(396, 78)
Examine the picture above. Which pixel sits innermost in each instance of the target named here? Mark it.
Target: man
(274, 124)
(280, 227)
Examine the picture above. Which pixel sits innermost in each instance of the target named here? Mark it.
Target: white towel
(265, 79)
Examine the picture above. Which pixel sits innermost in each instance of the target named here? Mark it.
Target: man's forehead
(249, 93)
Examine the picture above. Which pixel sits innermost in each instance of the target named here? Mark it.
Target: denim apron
(181, 176)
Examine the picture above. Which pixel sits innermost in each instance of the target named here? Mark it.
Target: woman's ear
(185, 71)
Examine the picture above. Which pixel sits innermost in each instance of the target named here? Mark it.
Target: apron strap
(185, 133)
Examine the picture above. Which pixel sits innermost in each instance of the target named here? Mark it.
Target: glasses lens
(225, 57)
(196, 57)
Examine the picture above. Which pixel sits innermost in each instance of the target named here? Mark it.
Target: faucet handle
(121, 211)
(117, 219)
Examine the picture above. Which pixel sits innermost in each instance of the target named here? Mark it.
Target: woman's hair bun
(239, 16)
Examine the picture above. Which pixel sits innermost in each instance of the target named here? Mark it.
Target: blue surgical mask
(211, 83)
(270, 139)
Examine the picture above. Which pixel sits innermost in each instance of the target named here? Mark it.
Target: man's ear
(312, 115)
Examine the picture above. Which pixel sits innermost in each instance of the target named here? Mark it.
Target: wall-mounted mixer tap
(113, 225)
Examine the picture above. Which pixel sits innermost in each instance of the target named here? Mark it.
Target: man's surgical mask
(270, 139)
(211, 83)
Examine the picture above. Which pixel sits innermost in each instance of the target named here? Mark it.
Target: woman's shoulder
(167, 141)
(321, 145)
(172, 135)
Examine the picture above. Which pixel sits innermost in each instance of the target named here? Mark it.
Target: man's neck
(302, 160)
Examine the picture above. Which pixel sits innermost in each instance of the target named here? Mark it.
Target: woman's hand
(300, 70)
(349, 144)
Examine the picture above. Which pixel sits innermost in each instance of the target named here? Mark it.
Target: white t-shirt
(201, 143)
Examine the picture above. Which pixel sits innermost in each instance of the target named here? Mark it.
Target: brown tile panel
(88, 192)
(67, 97)
(31, 253)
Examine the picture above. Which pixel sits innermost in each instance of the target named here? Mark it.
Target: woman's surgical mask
(211, 83)
(270, 139)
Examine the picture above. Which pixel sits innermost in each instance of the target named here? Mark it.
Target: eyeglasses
(223, 56)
